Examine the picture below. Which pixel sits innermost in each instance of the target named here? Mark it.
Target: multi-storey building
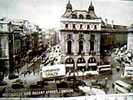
(85, 37)
(19, 44)
(4, 49)
(80, 39)
(130, 39)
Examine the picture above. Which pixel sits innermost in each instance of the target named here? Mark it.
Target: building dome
(69, 6)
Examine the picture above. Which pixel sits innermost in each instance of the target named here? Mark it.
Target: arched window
(74, 26)
(69, 61)
(92, 64)
(81, 63)
(81, 26)
(95, 26)
(88, 26)
(69, 36)
(80, 46)
(81, 16)
(69, 47)
(92, 60)
(88, 17)
(74, 16)
(66, 25)
(81, 60)
(92, 39)
(81, 36)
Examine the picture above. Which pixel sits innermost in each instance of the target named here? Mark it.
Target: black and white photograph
(66, 49)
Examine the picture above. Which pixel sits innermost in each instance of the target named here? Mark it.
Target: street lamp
(106, 79)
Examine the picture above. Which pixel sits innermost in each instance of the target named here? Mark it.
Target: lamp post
(106, 79)
(74, 76)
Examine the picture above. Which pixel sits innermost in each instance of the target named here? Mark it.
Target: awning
(69, 65)
(92, 64)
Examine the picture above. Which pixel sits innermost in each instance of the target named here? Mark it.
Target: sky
(47, 13)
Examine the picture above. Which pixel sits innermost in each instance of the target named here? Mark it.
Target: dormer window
(88, 17)
(74, 16)
(81, 16)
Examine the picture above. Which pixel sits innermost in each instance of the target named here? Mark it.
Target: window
(81, 63)
(92, 38)
(69, 61)
(88, 26)
(91, 45)
(1, 26)
(92, 60)
(74, 16)
(95, 26)
(81, 36)
(80, 47)
(69, 47)
(88, 17)
(93, 66)
(69, 36)
(66, 25)
(70, 67)
(80, 26)
(74, 26)
(81, 16)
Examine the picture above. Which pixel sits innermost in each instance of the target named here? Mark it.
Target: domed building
(80, 38)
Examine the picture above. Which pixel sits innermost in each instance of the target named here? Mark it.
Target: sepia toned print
(79, 55)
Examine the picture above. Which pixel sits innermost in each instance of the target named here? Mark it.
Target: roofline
(97, 31)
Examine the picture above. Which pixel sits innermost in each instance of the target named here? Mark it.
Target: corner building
(80, 39)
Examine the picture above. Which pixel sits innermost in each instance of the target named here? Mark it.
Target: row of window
(80, 60)
(81, 36)
(81, 26)
(74, 16)
(81, 46)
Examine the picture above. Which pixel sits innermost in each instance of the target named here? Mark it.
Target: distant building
(4, 49)
(130, 39)
(18, 44)
(117, 36)
(50, 38)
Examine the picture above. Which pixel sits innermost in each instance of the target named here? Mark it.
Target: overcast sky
(47, 13)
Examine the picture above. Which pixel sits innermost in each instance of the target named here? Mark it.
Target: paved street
(34, 76)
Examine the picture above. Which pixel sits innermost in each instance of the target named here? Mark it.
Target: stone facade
(80, 39)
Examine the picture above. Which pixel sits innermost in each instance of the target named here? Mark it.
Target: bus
(122, 87)
(104, 68)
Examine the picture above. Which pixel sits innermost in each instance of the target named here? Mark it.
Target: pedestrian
(24, 74)
(48, 94)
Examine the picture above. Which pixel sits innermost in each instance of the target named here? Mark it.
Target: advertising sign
(53, 71)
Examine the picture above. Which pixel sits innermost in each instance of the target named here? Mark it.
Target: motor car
(62, 85)
(17, 84)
